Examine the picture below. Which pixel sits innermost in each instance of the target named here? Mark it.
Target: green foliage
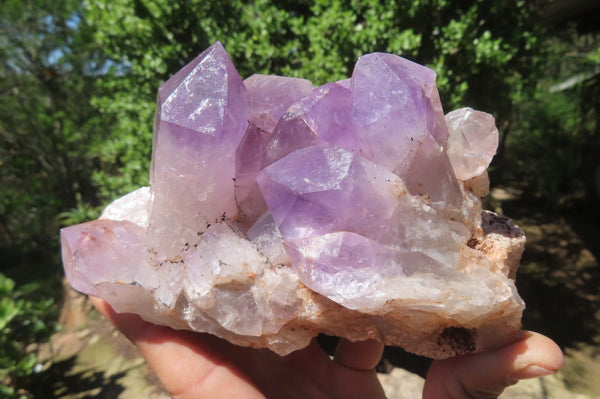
(82, 213)
(47, 68)
(25, 319)
(546, 127)
(555, 139)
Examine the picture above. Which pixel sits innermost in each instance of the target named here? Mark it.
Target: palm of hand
(193, 365)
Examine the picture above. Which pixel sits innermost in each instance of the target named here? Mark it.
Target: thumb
(486, 375)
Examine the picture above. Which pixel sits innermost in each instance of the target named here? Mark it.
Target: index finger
(189, 365)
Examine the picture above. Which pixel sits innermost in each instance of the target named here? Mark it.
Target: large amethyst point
(201, 115)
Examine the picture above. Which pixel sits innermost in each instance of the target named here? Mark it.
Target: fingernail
(532, 372)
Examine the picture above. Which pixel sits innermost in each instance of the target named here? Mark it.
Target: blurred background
(78, 82)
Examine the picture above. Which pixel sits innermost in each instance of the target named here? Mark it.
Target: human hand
(195, 365)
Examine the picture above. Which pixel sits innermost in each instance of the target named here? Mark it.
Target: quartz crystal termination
(278, 210)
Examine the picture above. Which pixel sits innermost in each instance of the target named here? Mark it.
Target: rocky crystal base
(278, 210)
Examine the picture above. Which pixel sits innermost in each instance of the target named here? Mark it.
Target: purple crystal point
(388, 88)
(401, 125)
(200, 119)
(269, 97)
(87, 246)
(472, 141)
(323, 116)
(331, 191)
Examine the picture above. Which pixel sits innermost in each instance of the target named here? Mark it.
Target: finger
(189, 365)
(487, 374)
(361, 356)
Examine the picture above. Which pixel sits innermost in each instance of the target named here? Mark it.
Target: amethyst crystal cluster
(278, 210)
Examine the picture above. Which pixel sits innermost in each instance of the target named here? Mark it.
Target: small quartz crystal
(278, 210)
